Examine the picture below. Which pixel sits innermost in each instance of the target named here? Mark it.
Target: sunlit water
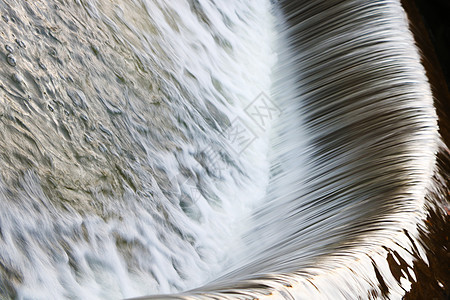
(243, 148)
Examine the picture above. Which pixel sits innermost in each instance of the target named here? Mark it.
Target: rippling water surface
(231, 149)
(116, 177)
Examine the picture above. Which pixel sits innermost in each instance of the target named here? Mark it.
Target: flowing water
(231, 149)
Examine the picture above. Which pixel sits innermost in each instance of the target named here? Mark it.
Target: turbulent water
(230, 149)
(117, 175)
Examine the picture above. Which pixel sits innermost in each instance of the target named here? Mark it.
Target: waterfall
(196, 149)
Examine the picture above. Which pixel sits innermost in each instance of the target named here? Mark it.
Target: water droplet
(9, 48)
(11, 60)
(88, 139)
(78, 98)
(42, 66)
(102, 147)
(20, 43)
(18, 78)
(104, 129)
(95, 50)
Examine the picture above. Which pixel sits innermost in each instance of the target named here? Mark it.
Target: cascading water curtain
(353, 159)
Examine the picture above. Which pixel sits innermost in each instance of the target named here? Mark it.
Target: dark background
(436, 17)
